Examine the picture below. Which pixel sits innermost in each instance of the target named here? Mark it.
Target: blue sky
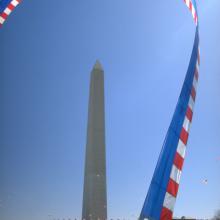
(47, 52)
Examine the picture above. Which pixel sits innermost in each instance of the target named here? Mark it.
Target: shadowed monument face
(94, 194)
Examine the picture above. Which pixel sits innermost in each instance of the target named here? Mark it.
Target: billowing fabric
(6, 7)
(160, 201)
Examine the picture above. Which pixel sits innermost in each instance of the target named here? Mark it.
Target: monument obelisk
(94, 194)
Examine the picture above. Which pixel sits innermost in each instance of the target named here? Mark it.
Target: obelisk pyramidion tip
(98, 65)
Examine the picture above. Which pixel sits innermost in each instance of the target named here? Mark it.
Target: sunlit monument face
(94, 195)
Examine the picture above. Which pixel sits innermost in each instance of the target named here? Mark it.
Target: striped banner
(6, 7)
(160, 200)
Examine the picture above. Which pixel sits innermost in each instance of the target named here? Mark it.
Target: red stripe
(11, 7)
(172, 187)
(195, 17)
(4, 15)
(166, 214)
(178, 161)
(193, 93)
(189, 113)
(196, 74)
(184, 136)
(190, 6)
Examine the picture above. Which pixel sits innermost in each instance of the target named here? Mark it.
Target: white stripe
(169, 201)
(2, 20)
(195, 82)
(181, 149)
(193, 12)
(191, 103)
(175, 174)
(14, 2)
(7, 11)
(187, 3)
(186, 124)
(194, 15)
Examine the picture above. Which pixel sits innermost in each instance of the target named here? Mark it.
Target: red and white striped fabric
(191, 7)
(173, 184)
(8, 10)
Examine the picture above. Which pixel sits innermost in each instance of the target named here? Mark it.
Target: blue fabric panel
(3, 5)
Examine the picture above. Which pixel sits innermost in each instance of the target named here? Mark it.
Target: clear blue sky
(48, 49)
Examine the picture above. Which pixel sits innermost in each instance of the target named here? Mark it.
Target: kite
(161, 197)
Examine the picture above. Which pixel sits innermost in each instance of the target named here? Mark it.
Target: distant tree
(217, 215)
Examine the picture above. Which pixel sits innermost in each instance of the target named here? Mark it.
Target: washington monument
(94, 194)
